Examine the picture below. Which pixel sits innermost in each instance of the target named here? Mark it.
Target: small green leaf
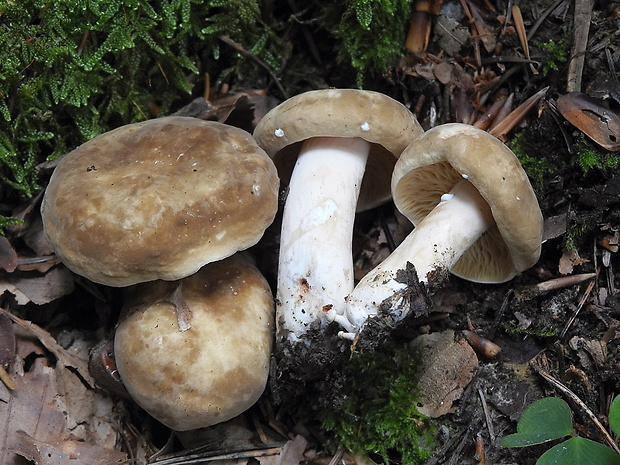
(614, 415)
(543, 421)
(579, 451)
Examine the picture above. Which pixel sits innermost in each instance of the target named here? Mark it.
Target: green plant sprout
(549, 419)
(379, 414)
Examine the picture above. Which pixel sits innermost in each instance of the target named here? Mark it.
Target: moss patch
(379, 414)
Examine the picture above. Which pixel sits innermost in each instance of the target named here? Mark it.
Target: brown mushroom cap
(158, 200)
(446, 154)
(387, 124)
(214, 370)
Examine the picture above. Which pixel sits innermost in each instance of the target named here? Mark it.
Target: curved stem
(437, 242)
(315, 270)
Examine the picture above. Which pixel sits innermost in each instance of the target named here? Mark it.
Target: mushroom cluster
(336, 149)
(163, 208)
(169, 203)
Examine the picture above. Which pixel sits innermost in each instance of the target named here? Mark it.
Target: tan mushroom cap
(158, 200)
(387, 124)
(217, 368)
(446, 154)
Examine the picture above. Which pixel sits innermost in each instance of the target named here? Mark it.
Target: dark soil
(570, 332)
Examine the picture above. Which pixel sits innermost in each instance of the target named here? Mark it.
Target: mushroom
(158, 200)
(214, 370)
(475, 215)
(336, 149)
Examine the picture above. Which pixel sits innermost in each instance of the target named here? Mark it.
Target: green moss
(72, 69)
(4, 222)
(589, 156)
(543, 332)
(537, 168)
(372, 34)
(380, 414)
(555, 53)
(578, 229)
(91, 66)
(573, 233)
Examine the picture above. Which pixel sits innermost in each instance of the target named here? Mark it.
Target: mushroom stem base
(315, 270)
(436, 243)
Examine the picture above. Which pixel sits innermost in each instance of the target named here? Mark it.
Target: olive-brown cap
(387, 124)
(212, 371)
(158, 200)
(446, 154)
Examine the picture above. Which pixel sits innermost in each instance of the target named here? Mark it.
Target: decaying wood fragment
(581, 24)
(420, 25)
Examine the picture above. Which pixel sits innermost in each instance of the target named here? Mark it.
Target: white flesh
(315, 271)
(437, 242)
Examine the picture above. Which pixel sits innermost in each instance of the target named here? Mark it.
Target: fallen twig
(542, 18)
(573, 397)
(529, 292)
(582, 301)
(487, 415)
(197, 457)
(228, 41)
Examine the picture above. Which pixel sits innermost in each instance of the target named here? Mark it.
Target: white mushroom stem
(437, 242)
(315, 271)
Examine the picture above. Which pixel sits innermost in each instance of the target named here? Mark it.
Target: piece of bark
(581, 24)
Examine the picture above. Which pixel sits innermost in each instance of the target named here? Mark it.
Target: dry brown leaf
(52, 416)
(568, 260)
(41, 263)
(20, 297)
(38, 289)
(8, 256)
(444, 72)
(554, 226)
(35, 238)
(78, 363)
(452, 35)
(235, 109)
(486, 34)
(449, 365)
(520, 27)
(507, 124)
(591, 117)
(595, 349)
(68, 452)
(293, 451)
